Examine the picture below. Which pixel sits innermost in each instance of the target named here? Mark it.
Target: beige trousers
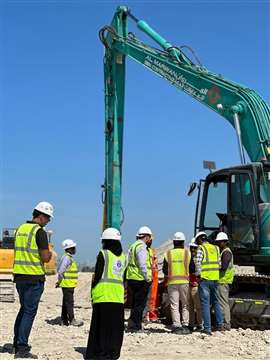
(223, 299)
(177, 293)
(195, 313)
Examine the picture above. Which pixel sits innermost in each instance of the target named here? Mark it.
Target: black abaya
(106, 332)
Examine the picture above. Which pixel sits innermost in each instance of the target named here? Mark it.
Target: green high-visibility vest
(133, 270)
(178, 266)
(27, 260)
(210, 262)
(70, 276)
(226, 277)
(110, 288)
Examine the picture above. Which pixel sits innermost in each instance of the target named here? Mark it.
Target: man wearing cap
(225, 278)
(107, 295)
(207, 263)
(67, 280)
(31, 252)
(176, 271)
(139, 276)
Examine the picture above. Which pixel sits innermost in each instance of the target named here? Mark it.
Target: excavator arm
(245, 110)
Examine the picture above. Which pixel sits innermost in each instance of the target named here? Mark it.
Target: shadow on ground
(6, 348)
(81, 350)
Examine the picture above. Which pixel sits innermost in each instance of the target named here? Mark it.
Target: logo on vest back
(117, 268)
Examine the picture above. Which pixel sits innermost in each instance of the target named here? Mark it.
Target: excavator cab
(237, 200)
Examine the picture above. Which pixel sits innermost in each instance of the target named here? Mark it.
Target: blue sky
(52, 113)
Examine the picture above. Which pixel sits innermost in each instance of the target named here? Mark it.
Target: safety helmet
(144, 230)
(45, 208)
(111, 234)
(68, 243)
(193, 243)
(222, 236)
(201, 234)
(179, 236)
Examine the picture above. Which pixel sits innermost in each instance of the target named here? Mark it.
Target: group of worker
(197, 277)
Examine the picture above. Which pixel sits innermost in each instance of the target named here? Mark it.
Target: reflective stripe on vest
(133, 270)
(210, 262)
(226, 277)
(70, 276)
(27, 260)
(110, 288)
(178, 266)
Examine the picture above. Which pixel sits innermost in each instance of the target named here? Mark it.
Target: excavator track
(250, 301)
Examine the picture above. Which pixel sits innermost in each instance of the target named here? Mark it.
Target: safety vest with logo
(210, 261)
(134, 271)
(110, 288)
(27, 260)
(178, 266)
(70, 276)
(226, 277)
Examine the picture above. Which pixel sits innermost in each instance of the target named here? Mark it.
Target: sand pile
(51, 341)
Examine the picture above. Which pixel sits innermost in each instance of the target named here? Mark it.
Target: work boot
(206, 332)
(185, 330)
(76, 322)
(25, 355)
(176, 329)
(227, 327)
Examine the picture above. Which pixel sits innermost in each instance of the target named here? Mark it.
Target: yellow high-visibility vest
(210, 262)
(226, 277)
(178, 266)
(70, 276)
(27, 260)
(110, 288)
(133, 270)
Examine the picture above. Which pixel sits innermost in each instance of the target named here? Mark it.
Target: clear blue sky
(52, 112)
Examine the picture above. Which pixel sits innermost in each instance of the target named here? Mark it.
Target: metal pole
(238, 133)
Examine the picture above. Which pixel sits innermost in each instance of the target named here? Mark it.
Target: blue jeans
(208, 297)
(29, 295)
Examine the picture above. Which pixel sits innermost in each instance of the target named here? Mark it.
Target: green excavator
(235, 200)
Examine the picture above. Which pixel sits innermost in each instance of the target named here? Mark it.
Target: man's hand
(57, 284)
(45, 255)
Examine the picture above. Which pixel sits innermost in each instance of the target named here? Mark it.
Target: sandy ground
(51, 341)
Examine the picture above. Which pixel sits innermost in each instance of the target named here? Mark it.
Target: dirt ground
(51, 341)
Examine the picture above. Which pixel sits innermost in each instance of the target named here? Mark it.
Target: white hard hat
(200, 233)
(179, 236)
(68, 243)
(222, 236)
(193, 243)
(45, 208)
(111, 234)
(144, 230)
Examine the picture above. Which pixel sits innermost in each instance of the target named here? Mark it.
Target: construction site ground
(50, 341)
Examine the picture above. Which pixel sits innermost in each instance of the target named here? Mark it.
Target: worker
(207, 264)
(67, 280)
(176, 270)
(31, 252)
(195, 314)
(107, 294)
(225, 278)
(139, 277)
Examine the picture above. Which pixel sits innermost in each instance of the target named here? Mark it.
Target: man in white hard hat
(107, 295)
(207, 264)
(31, 252)
(139, 276)
(68, 280)
(176, 270)
(225, 278)
(195, 313)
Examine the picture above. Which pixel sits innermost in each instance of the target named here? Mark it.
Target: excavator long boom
(245, 110)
